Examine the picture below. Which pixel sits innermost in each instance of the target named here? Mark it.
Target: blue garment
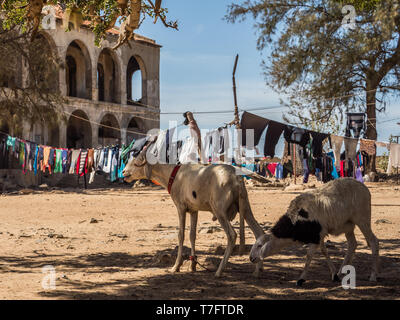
(121, 168)
(306, 171)
(36, 160)
(334, 172)
(279, 171)
(64, 157)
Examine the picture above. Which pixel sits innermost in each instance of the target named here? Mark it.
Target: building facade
(113, 95)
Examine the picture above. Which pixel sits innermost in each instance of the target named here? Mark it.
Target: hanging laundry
(121, 166)
(368, 146)
(58, 165)
(350, 145)
(279, 171)
(274, 132)
(297, 136)
(223, 140)
(11, 143)
(359, 175)
(168, 140)
(211, 146)
(107, 160)
(114, 165)
(317, 140)
(90, 161)
(82, 163)
(96, 159)
(175, 151)
(4, 153)
(74, 158)
(45, 160)
(126, 150)
(138, 146)
(334, 172)
(337, 143)
(306, 171)
(394, 157)
(382, 144)
(189, 153)
(251, 121)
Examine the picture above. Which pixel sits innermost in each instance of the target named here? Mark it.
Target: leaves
(314, 58)
(102, 14)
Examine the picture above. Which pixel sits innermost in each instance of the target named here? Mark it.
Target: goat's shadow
(278, 281)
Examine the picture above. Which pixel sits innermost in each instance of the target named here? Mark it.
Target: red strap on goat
(172, 177)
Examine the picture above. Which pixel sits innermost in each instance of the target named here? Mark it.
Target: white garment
(394, 157)
(96, 156)
(107, 168)
(216, 143)
(74, 160)
(157, 152)
(100, 163)
(189, 152)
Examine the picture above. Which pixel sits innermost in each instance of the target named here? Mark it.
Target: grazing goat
(214, 188)
(335, 208)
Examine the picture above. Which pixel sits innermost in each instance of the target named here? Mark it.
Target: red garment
(342, 173)
(272, 167)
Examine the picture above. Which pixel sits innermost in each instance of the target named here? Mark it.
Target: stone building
(105, 89)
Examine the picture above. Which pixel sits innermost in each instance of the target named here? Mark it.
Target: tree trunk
(371, 132)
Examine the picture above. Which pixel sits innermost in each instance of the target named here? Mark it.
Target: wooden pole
(294, 163)
(195, 130)
(242, 244)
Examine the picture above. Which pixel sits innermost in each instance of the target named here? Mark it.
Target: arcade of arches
(105, 90)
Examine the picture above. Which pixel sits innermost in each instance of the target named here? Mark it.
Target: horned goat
(334, 209)
(196, 187)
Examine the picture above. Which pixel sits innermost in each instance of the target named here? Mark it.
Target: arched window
(109, 131)
(78, 73)
(134, 82)
(100, 81)
(71, 77)
(79, 131)
(109, 84)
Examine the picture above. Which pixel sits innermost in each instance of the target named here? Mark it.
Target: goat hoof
(300, 282)
(174, 270)
(336, 278)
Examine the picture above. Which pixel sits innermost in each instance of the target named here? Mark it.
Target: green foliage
(101, 13)
(361, 5)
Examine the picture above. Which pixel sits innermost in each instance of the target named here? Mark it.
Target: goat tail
(245, 210)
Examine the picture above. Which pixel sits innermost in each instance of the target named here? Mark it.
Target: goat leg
(193, 225)
(310, 252)
(181, 238)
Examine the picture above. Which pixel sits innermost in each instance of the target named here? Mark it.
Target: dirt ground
(119, 244)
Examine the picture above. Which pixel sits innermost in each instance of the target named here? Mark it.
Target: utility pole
(242, 244)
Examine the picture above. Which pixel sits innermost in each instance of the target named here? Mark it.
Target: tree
(35, 98)
(325, 68)
(102, 14)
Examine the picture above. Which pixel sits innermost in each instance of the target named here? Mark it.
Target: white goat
(335, 208)
(214, 188)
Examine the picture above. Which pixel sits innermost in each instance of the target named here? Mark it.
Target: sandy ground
(119, 244)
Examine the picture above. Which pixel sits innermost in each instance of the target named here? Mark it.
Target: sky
(196, 66)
